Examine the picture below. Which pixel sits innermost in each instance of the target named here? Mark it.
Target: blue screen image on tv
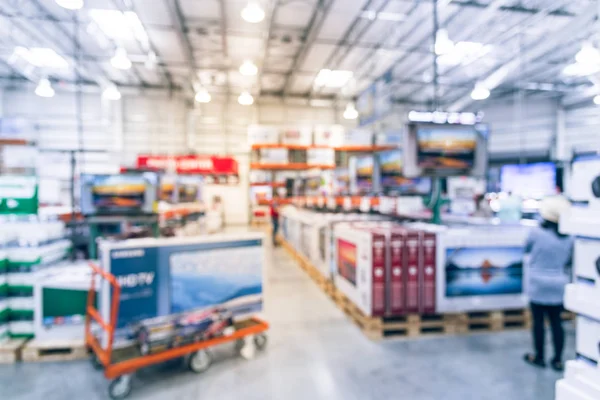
(529, 180)
(481, 271)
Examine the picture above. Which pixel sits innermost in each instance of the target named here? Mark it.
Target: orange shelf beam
(272, 184)
(338, 148)
(289, 167)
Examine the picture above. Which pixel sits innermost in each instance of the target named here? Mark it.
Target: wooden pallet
(416, 325)
(54, 350)
(10, 350)
(324, 283)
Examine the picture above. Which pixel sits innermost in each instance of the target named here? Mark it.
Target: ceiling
(518, 45)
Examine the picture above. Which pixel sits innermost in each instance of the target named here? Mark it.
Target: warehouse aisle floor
(314, 352)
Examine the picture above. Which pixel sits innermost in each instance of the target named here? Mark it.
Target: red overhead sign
(190, 164)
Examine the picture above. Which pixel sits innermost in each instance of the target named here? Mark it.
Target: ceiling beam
(271, 15)
(179, 25)
(223, 22)
(314, 26)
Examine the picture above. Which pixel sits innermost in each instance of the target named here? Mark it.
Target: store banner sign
(190, 164)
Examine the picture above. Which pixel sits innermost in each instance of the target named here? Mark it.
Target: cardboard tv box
(586, 261)
(168, 283)
(580, 382)
(360, 268)
(585, 181)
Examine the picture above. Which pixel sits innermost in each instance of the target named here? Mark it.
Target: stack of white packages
(582, 376)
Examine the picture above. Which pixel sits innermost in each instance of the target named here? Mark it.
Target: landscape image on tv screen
(481, 271)
(346, 260)
(341, 181)
(446, 148)
(392, 180)
(130, 193)
(364, 173)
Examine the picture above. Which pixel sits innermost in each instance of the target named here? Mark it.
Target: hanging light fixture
(443, 44)
(120, 59)
(70, 4)
(350, 112)
(588, 55)
(44, 88)
(253, 12)
(248, 68)
(202, 96)
(246, 99)
(111, 93)
(597, 100)
(480, 92)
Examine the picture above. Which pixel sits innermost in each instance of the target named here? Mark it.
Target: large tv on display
(393, 182)
(445, 150)
(119, 194)
(533, 181)
(362, 170)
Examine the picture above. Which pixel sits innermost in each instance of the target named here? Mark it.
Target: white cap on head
(552, 207)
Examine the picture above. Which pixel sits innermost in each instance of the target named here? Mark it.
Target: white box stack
(583, 295)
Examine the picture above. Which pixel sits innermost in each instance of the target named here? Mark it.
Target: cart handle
(104, 355)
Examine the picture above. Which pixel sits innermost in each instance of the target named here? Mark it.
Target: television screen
(533, 181)
(392, 181)
(441, 147)
(483, 271)
(346, 260)
(364, 174)
(341, 181)
(188, 188)
(110, 194)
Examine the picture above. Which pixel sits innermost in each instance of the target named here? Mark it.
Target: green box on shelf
(18, 195)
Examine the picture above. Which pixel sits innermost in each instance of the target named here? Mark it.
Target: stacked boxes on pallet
(583, 295)
(385, 268)
(29, 246)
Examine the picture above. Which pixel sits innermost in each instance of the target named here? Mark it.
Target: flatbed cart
(120, 372)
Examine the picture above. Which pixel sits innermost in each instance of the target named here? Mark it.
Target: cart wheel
(120, 388)
(200, 361)
(260, 341)
(96, 362)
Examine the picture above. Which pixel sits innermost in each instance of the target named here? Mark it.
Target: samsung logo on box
(128, 253)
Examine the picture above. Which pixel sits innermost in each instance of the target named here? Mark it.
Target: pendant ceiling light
(588, 55)
(111, 93)
(350, 112)
(70, 4)
(120, 59)
(202, 96)
(597, 100)
(246, 99)
(44, 88)
(248, 68)
(480, 92)
(253, 12)
(443, 44)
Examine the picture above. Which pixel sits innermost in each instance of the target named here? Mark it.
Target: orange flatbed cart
(120, 372)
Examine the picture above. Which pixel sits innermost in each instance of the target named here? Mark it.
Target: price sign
(365, 204)
(387, 205)
(347, 204)
(320, 201)
(331, 203)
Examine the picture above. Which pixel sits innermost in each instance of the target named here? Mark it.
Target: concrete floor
(314, 352)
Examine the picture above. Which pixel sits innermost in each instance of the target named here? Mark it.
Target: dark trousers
(275, 222)
(538, 312)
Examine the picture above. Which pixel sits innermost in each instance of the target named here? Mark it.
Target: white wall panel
(582, 129)
(526, 132)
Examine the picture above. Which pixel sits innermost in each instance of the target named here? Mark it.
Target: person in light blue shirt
(550, 256)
